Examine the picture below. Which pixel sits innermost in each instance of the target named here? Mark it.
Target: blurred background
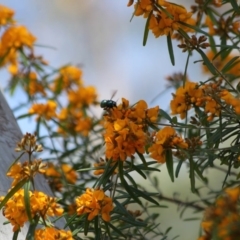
(99, 37)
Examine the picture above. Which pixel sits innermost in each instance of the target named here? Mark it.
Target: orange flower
(94, 202)
(54, 174)
(219, 63)
(6, 15)
(26, 170)
(40, 204)
(185, 97)
(126, 129)
(222, 219)
(13, 39)
(165, 138)
(46, 111)
(143, 7)
(33, 86)
(50, 233)
(68, 76)
(83, 96)
(166, 24)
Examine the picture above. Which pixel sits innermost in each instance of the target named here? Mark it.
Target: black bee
(108, 104)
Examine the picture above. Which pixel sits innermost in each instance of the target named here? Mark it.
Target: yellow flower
(46, 111)
(94, 202)
(40, 204)
(143, 7)
(166, 24)
(233, 193)
(126, 129)
(83, 96)
(6, 15)
(33, 86)
(50, 233)
(13, 39)
(164, 139)
(68, 76)
(219, 63)
(26, 170)
(54, 174)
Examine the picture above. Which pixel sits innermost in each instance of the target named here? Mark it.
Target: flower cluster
(220, 62)
(126, 129)
(55, 174)
(223, 27)
(28, 144)
(13, 39)
(74, 119)
(6, 15)
(40, 205)
(165, 18)
(222, 220)
(68, 76)
(211, 97)
(164, 139)
(94, 202)
(26, 170)
(50, 233)
(34, 85)
(46, 111)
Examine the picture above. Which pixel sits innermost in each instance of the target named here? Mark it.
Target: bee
(108, 104)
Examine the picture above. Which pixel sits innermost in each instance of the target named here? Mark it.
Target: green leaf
(16, 160)
(97, 231)
(142, 159)
(178, 168)
(86, 226)
(207, 62)
(31, 230)
(185, 70)
(170, 49)
(12, 192)
(230, 64)
(165, 115)
(144, 195)
(235, 6)
(125, 184)
(169, 163)
(137, 169)
(107, 230)
(24, 115)
(116, 230)
(191, 174)
(27, 204)
(146, 30)
(15, 235)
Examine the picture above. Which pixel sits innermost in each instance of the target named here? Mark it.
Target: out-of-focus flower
(40, 204)
(94, 202)
(33, 85)
(46, 111)
(168, 21)
(29, 144)
(219, 63)
(74, 121)
(12, 40)
(221, 220)
(6, 15)
(26, 170)
(68, 76)
(50, 233)
(55, 174)
(164, 139)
